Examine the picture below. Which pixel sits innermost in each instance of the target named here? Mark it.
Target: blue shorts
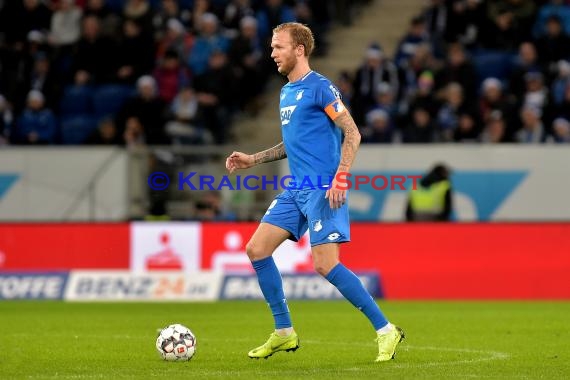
(298, 210)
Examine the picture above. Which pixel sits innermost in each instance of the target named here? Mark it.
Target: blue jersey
(312, 141)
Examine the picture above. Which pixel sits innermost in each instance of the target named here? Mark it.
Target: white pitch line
(488, 354)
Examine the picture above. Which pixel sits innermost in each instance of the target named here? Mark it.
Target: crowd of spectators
(489, 71)
(133, 72)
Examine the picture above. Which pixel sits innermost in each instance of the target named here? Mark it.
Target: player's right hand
(239, 160)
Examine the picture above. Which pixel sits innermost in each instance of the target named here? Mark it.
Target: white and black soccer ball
(176, 343)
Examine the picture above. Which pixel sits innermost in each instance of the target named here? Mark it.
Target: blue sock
(272, 288)
(352, 289)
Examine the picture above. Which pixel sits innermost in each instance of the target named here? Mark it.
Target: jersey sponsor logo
(286, 113)
(335, 91)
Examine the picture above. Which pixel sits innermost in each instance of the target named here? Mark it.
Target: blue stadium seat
(76, 100)
(108, 99)
(76, 129)
(494, 64)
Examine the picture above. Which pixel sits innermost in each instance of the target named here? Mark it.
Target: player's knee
(322, 268)
(255, 251)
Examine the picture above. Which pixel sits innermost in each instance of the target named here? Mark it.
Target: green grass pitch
(444, 340)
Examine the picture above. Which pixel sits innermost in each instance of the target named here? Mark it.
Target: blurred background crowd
(140, 71)
(490, 71)
(159, 72)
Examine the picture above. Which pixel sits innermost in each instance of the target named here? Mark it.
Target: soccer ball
(176, 343)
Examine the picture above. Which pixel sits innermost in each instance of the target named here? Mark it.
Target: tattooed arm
(351, 141)
(239, 160)
(336, 195)
(271, 154)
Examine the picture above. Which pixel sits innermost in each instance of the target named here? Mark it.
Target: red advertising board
(226, 240)
(415, 261)
(449, 261)
(223, 249)
(465, 261)
(64, 246)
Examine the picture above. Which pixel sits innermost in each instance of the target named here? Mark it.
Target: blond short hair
(300, 34)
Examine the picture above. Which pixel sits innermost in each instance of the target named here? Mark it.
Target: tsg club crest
(317, 225)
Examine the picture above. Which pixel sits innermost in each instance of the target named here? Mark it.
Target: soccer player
(313, 120)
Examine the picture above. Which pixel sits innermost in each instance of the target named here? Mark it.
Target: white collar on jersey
(306, 75)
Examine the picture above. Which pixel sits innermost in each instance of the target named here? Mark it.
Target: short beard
(283, 72)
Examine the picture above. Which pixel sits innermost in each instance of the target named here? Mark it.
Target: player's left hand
(336, 195)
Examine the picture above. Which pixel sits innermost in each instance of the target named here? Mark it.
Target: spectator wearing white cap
(493, 99)
(36, 125)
